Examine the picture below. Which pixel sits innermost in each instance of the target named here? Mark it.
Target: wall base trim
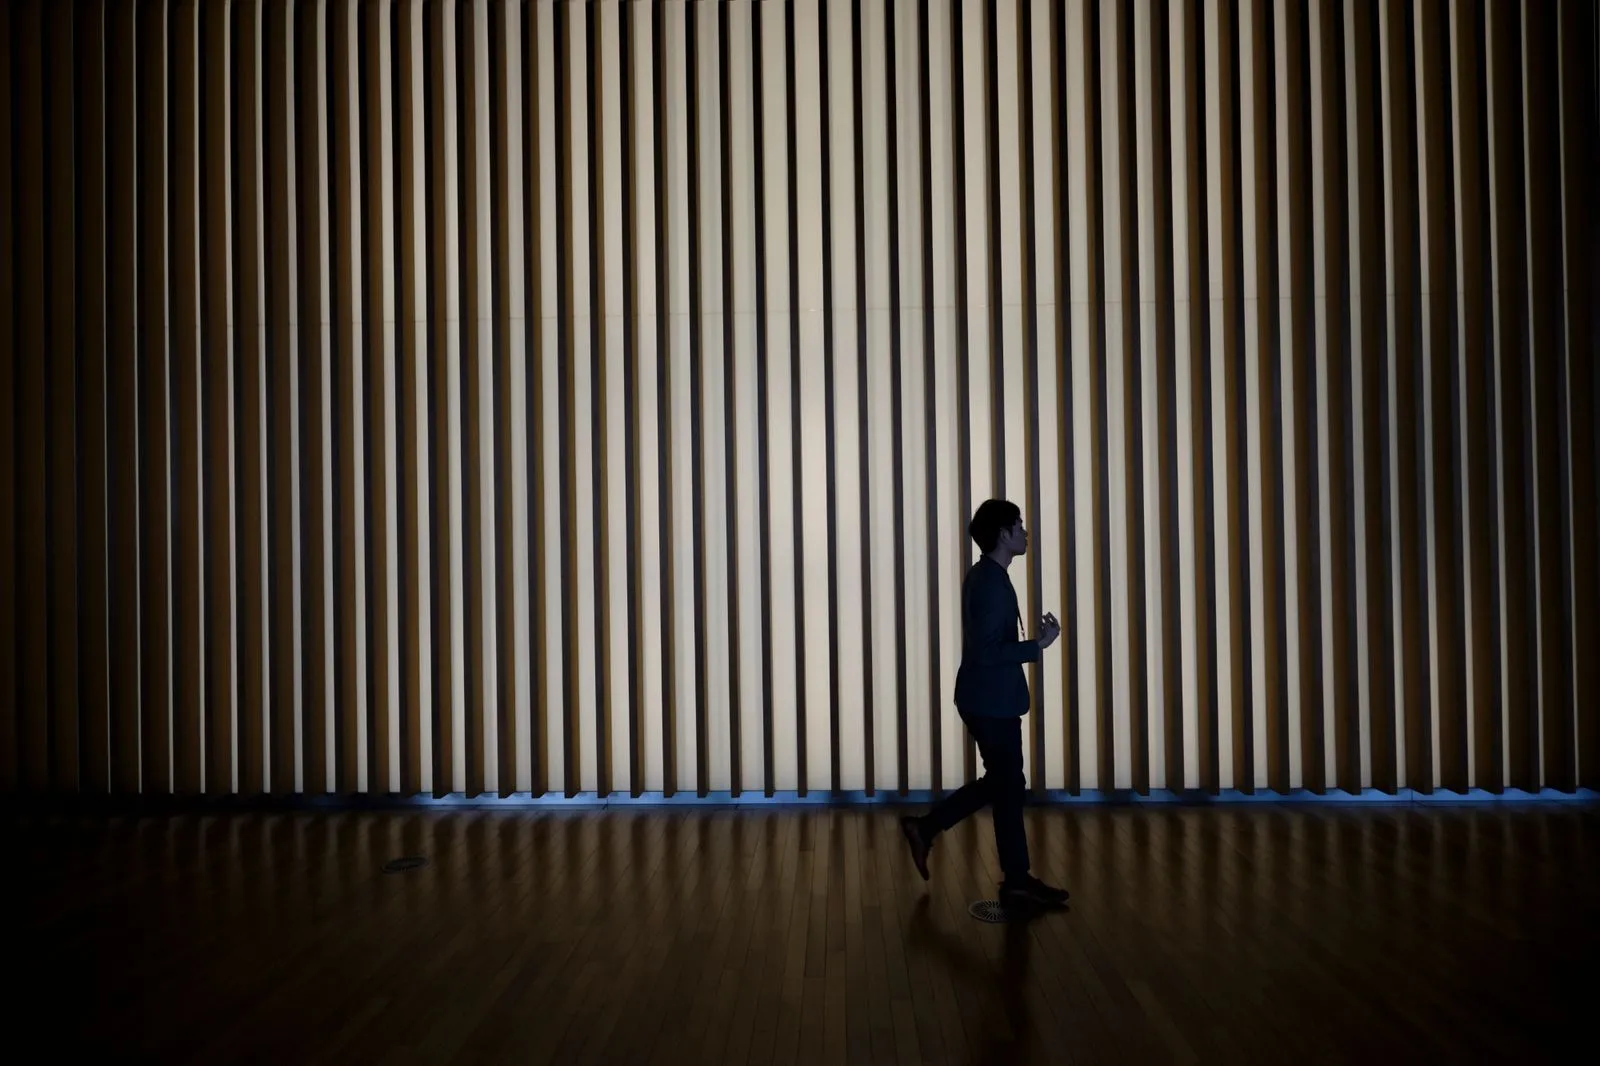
(114, 805)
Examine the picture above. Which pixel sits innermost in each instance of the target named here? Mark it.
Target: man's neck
(1001, 556)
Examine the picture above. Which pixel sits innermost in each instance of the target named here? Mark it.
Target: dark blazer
(990, 682)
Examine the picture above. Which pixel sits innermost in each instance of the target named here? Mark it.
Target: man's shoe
(912, 829)
(1029, 891)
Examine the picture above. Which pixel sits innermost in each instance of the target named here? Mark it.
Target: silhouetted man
(992, 696)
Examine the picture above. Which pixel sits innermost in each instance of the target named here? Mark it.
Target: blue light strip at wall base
(556, 801)
(924, 797)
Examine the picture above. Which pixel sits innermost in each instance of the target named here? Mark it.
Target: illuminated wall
(501, 397)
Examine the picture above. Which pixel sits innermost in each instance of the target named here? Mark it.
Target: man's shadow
(1005, 1030)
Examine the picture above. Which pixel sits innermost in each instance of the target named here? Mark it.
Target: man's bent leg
(969, 799)
(947, 813)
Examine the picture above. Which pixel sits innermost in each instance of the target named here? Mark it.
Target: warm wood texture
(184, 346)
(215, 385)
(470, 396)
(10, 777)
(1195, 935)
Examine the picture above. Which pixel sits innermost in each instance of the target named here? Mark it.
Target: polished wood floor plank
(803, 936)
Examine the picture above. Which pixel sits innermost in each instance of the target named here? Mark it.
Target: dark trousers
(1002, 789)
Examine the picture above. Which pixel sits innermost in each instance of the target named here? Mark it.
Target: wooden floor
(1264, 934)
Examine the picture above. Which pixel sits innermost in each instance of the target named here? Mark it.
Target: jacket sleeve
(992, 620)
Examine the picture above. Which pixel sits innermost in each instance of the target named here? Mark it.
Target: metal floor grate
(988, 910)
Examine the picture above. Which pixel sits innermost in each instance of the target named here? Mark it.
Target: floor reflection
(1003, 1030)
(803, 936)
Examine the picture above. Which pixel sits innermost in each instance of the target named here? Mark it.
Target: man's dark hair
(993, 517)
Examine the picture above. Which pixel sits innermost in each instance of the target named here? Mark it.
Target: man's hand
(1049, 630)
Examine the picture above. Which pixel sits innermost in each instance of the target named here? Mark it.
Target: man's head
(997, 529)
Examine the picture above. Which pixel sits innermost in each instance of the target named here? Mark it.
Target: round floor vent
(401, 865)
(988, 910)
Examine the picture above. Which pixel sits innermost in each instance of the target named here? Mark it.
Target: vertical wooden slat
(1269, 720)
(213, 84)
(564, 349)
(586, 254)
(63, 353)
(1082, 209)
(730, 409)
(1055, 389)
(281, 356)
(1316, 368)
(627, 65)
(1102, 142)
(764, 173)
(1193, 407)
(830, 301)
(735, 285)
(982, 36)
(478, 448)
(1129, 735)
(1042, 323)
(963, 330)
(947, 532)
(476, 337)
(9, 689)
(249, 324)
(1019, 313)
(985, 461)
(705, 345)
(781, 195)
(183, 260)
(550, 269)
(1227, 372)
(980, 98)
(1542, 175)
(1058, 150)
(517, 341)
(351, 363)
(856, 299)
(1436, 357)
(1335, 715)
(887, 341)
(442, 340)
(93, 241)
(1414, 744)
(1374, 742)
(914, 173)
(1475, 441)
(742, 442)
(379, 374)
(684, 150)
(803, 245)
(1508, 259)
(533, 302)
(510, 335)
(411, 498)
(155, 593)
(30, 392)
(122, 420)
(665, 333)
(599, 400)
(1157, 403)
(1580, 161)
(312, 395)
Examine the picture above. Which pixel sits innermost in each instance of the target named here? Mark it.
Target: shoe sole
(1027, 899)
